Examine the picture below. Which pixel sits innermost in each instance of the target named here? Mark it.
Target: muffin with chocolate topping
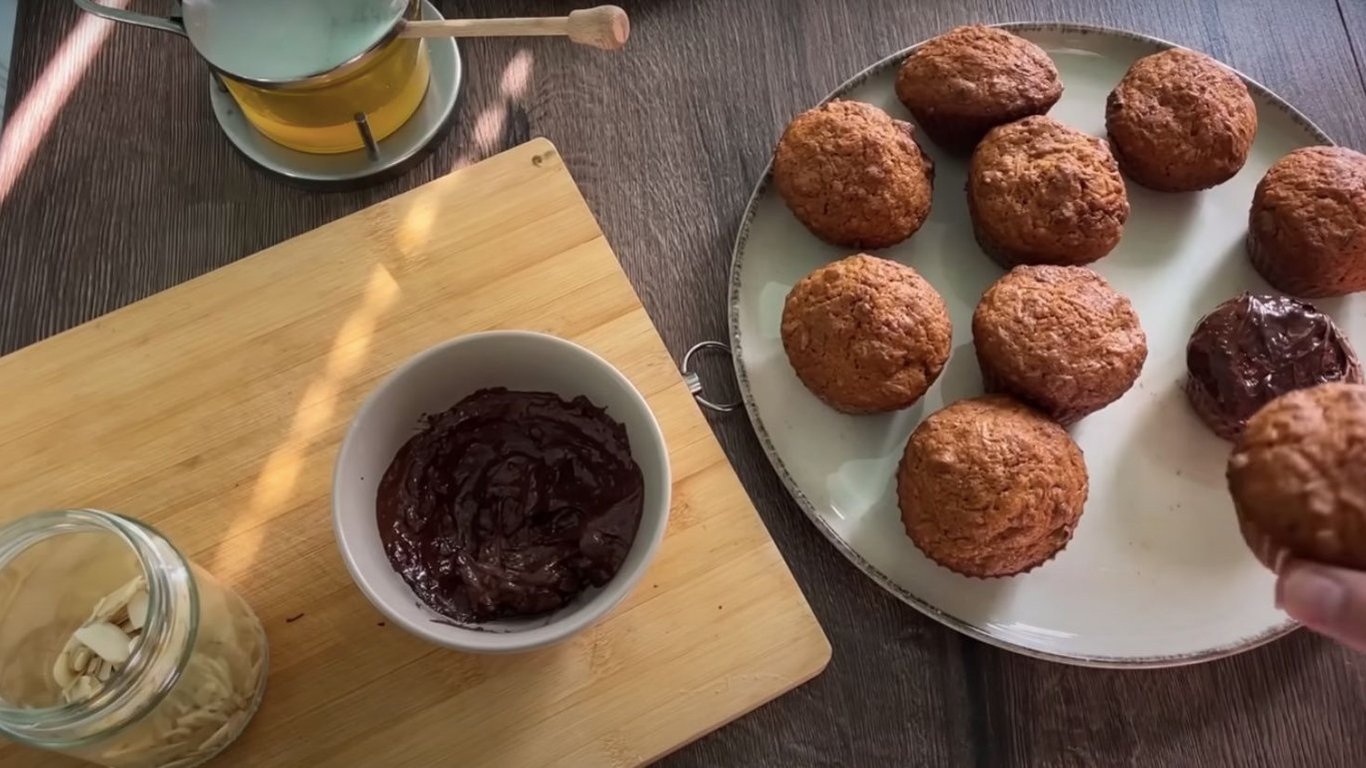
(1040, 192)
(1253, 349)
(1307, 228)
(1059, 338)
(865, 334)
(990, 487)
(1296, 477)
(971, 79)
(1180, 121)
(853, 175)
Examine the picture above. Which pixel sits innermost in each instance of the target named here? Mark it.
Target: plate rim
(878, 577)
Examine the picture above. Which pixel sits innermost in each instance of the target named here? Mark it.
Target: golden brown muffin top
(1312, 204)
(1180, 120)
(1047, 192)
(1298, 474)
(977, 70)
(1062, 336)
(990, 487)
(853, 175)
(866, 334)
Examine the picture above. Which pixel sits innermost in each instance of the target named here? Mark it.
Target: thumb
(1327, 599)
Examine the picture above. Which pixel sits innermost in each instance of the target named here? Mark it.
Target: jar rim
(228, 59)
(46, 726)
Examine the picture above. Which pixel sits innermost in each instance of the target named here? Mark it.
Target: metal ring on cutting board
(694, 381)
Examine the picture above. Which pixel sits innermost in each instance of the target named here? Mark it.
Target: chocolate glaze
(1252, 349)
(510, 504)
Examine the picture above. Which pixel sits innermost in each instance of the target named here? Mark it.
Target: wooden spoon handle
(605, 26)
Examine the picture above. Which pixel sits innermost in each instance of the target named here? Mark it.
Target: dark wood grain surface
(132, 189)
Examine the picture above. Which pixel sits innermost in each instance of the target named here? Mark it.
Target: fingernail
(1312, 597)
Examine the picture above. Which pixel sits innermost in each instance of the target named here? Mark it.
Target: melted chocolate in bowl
(510, 504)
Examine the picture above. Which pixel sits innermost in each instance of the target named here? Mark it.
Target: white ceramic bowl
(432, 382)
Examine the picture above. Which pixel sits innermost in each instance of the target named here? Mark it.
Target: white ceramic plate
(1156, 574)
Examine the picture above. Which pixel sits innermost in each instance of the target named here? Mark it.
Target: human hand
(1326, 599)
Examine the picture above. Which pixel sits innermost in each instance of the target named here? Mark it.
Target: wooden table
(131, 188)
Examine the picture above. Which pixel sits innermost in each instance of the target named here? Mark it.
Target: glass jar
(312, 75)
(192, 675)
(320, 116)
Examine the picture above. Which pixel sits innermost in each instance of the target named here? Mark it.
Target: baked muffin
(1040, 192)
(853, 175)
(990, 487)
(1307, 229)
(1058, 338)
(1252, 349)
(1180, 121)
(1297, 477)
(866, 334)
(971, 79)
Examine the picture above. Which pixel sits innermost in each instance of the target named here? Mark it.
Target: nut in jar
(118, 650)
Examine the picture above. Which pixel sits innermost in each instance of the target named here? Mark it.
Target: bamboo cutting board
(214, 411)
